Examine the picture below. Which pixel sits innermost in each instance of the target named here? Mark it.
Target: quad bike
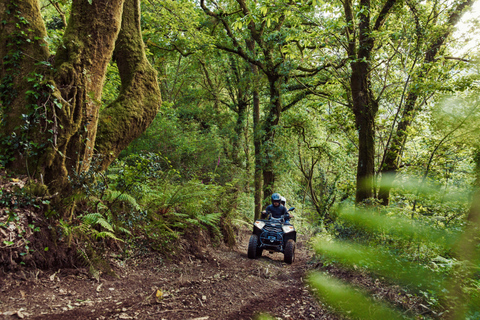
(274, 235)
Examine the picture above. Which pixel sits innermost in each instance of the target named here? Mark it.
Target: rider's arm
(264, 214)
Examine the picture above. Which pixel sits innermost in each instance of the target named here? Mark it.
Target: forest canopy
(144, 119)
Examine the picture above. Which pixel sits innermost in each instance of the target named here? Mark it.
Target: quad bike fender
(291, 235)
(256, 231)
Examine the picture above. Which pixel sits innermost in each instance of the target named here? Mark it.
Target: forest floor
(206, 282)
(217, 283)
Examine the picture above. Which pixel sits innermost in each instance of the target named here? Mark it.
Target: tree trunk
(22, 46)
(81, 64)
(67, 118)
(364, 106)
(257, 142)
(135, 108)
(390, 164)
(365, 110)
(271, 121)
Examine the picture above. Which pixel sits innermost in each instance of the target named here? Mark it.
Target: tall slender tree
(433, 47)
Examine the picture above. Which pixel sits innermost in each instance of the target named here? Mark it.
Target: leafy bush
(144, 200)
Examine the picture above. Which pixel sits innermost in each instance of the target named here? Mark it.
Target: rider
(283, 201)
(288, 216)
(276, 209)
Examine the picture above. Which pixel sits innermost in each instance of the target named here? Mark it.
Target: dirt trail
(216, 284)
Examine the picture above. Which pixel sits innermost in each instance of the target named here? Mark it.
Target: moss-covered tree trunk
(80, 65)
(65, 124)
(22, 47)
(135, 108)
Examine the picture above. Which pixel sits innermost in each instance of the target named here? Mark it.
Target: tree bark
(72, 89)
(22, 46)
(365, 109)
(257, 142)
(81, 64)
(135, 108)
(269, 127)
(364, 106)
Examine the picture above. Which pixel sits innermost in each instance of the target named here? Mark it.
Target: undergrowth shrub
(144, 201)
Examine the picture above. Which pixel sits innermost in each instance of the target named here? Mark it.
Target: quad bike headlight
(259, 224)
(288, 229)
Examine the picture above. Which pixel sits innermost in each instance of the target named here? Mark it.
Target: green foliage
(438, 262)
(193, 141)
(90, 227)
(352, 302)
(142, 199)
(112, 85)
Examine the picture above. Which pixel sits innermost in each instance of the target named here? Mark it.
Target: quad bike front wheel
(259, 252)
(289, 255)
(252, 247)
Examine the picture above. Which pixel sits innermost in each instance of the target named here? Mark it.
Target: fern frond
(112, 195)
(106, 234)
(91, 218)
(121, 229)
(210, 219)
(179, 215)
(105, 224)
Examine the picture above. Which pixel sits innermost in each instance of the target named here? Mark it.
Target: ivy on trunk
(56, 108)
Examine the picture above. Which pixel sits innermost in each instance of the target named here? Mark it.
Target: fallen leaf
(159, 294)
(99, 286)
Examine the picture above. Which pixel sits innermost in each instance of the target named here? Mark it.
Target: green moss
(36, 189)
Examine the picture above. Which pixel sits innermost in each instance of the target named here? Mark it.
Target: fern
(91, 218)
(114, 195)
(104, 223)
(210, 219)
(106, 234)
(122, 229)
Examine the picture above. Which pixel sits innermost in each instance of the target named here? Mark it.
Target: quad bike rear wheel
(252, 246)
(289, 255)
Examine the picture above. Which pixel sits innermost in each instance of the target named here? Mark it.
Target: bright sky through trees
(468, 31)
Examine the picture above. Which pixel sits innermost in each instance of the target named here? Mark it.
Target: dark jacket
(277, 212)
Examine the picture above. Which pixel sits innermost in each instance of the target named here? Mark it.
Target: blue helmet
(276, 197)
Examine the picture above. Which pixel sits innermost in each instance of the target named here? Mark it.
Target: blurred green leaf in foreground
(448, 276)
